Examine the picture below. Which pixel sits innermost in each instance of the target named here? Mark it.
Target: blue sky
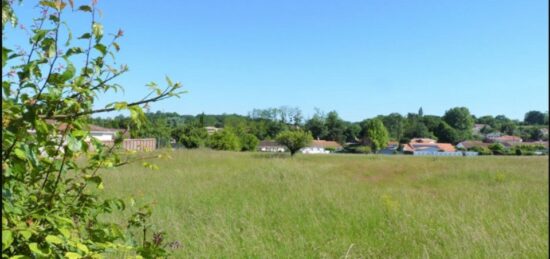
(360, 58)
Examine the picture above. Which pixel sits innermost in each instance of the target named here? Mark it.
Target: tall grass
(227, 204)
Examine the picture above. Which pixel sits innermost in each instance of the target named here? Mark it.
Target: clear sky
(360, 58)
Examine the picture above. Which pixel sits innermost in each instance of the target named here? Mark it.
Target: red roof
(473, 143)
(325, 144)
(422, 140)
(443, 147)
(508, 138)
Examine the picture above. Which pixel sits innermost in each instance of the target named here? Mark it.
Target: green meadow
(228, 204)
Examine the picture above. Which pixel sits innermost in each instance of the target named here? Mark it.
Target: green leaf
(25, 234)
(19, 257)
(39, 35)
(36, 250)
(7, 239)
(54, 239)
(101, 48)
(82, 247)
(116, 46)
(72, 255)
(5, 52)
(169, 81)
(69, 72)
(48, 4)
(86, 35)
(20, 154)
(85, 8)
(121, 105)
(97, 30)
(65, 232)
(73, 143)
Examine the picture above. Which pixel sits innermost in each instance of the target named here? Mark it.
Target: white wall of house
(272, 149)
(103, 136)
(314, 150)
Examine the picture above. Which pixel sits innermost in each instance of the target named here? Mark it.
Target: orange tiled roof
(444, 147)
(325, 144)
(422, 140)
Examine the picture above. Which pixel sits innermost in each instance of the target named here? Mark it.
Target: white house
(212, 130)
(270, 146)
(321, 147)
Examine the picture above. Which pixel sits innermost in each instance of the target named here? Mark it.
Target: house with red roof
(321, 147)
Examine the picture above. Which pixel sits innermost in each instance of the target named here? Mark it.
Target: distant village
(260, 128)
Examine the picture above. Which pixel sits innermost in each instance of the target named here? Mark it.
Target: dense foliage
(294, 140)
(224, 140)
(51, 166)
(374, 134)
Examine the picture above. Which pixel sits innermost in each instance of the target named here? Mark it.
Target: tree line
(243, 132)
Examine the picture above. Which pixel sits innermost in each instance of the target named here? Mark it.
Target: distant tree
(190, 135)
(224, 140)
(335, 127)
(374, 134)
(497, 149)
(446, 133)
(249, 142)
(531, 133)
(351, 133)
(509, 128)
(502, 119)
(294, 140)
(416, 129)
(486, 129)
(395, 124)
(420, 112)
(432, 122)
(546, 118)
(459, 118)
(534, 118)
(487, 119)
(316, 125)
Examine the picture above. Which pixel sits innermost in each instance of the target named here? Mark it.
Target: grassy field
(226, 204)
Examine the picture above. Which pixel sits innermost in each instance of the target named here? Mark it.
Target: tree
(487, 119)
(534, 118)
(497, 149)
(374, 134)
(50, 162)
(316, 125)
(294, 140)
(191, 135)
(445, 133)
(416, 129)
(224, 140)
(532, 134)
(420, 112)
(459, 118)
(395, 124)
(509, 128)
(351, 133)
(335, 127)
(249, 142)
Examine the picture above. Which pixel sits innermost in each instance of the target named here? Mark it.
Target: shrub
(224, 140)
(191, 136)
(481, 150)
(50, 175)
(363, 150)
(249, 142)
(498, 149)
